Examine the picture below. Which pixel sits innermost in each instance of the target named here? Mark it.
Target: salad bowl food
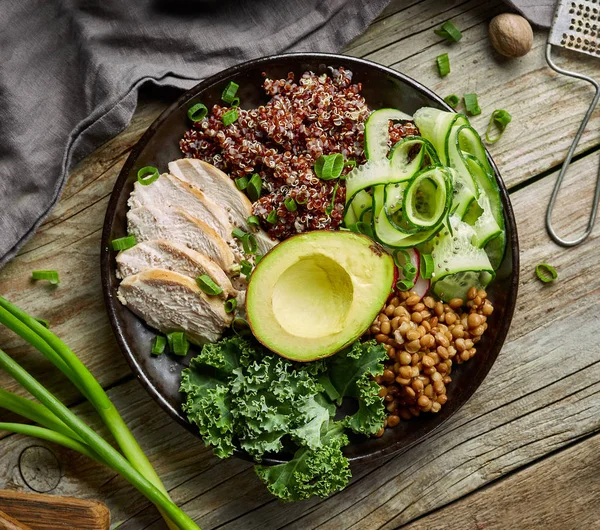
(297, 297)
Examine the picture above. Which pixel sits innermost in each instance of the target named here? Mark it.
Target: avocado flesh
(317, 292)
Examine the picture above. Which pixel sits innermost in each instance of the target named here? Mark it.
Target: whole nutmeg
(511, 35)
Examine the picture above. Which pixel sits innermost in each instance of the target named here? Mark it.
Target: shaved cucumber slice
(377, 132)
(458, 264)
(427, 198)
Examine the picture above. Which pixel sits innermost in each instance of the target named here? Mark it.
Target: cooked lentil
(423, 352)
(281, 140)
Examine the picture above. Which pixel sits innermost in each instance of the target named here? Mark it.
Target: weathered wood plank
(528, 498)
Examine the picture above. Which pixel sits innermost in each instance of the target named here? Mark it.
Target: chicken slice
(174, 224)
(168, 255)
(206, 178)
(169, 301)
(169, 192)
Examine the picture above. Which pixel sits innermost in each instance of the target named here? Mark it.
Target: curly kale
(241, 395)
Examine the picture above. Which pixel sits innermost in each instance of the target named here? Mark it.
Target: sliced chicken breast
(214, 183)
(176, 225)
(168, 255)
(169, 192)
(169, 301)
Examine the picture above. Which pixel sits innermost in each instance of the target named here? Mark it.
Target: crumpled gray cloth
(70, 71)
(538, 12)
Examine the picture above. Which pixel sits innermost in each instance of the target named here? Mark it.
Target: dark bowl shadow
(382, 87)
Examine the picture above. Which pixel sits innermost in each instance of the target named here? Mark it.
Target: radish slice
(421, 286)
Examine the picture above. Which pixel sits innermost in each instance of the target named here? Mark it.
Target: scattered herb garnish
(123, 243)
(230, 305)
(329, 167)
(230, 116)
(331, 205)
(290, 204)
(43, 322)
(449, 32)
(443, 64)
(208, 286)
(241, 183)
(452, 100)
(546, 273)
(159, 344)
(147, 175)
(197, 112)
(471, 104)
(426, 266)
(178, 343)
(51, 276)
(228, 95)
(253, 221)
(245, 267)
(501, 119)
(404, 285)
(272, 217)
(254, 187)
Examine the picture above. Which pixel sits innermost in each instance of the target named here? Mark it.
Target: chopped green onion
(257, 258)
(240, 327)
(249, 244)
(501, 118)
(452, 100)
(329, 167)
(449, 32)
(350, 163)
(43, 322)
(272, 217)
(253, 221)
(206, 283)
(178, 343)
(254, 187)
(404, 285)
(147, 175)
(402, 253)
(51, 276)
(197, 112)
(443, 64)
(159, 344)
(238, 233)
(230, 116)
(331, 205)
(235, 270)
(410, 272)
(546, 273)
(123, 243)
(229, 93)
(245, 267)
(290, 204)
(230, 305)
(235, 102)
(241, 183)
(471, 104)
(426, 266)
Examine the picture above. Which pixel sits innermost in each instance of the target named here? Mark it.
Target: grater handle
(563, 170)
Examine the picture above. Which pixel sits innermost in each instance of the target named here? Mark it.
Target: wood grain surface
(541, 397)
(51, 512)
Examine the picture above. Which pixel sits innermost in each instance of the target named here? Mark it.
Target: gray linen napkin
(538, 12)
(70, 71)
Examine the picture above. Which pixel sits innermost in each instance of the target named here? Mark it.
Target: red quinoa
(281, 141)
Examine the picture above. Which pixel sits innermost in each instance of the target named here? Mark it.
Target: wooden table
(523, 453)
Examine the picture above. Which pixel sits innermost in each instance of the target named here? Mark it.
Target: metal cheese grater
(576, 26)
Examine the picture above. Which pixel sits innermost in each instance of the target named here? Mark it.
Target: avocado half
(317, 292)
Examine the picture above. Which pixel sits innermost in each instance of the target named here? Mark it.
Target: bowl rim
(106, 256)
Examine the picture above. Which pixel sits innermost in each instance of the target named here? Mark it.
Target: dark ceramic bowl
(382, 87)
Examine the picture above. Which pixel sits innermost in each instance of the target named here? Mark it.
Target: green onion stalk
(67, 428)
